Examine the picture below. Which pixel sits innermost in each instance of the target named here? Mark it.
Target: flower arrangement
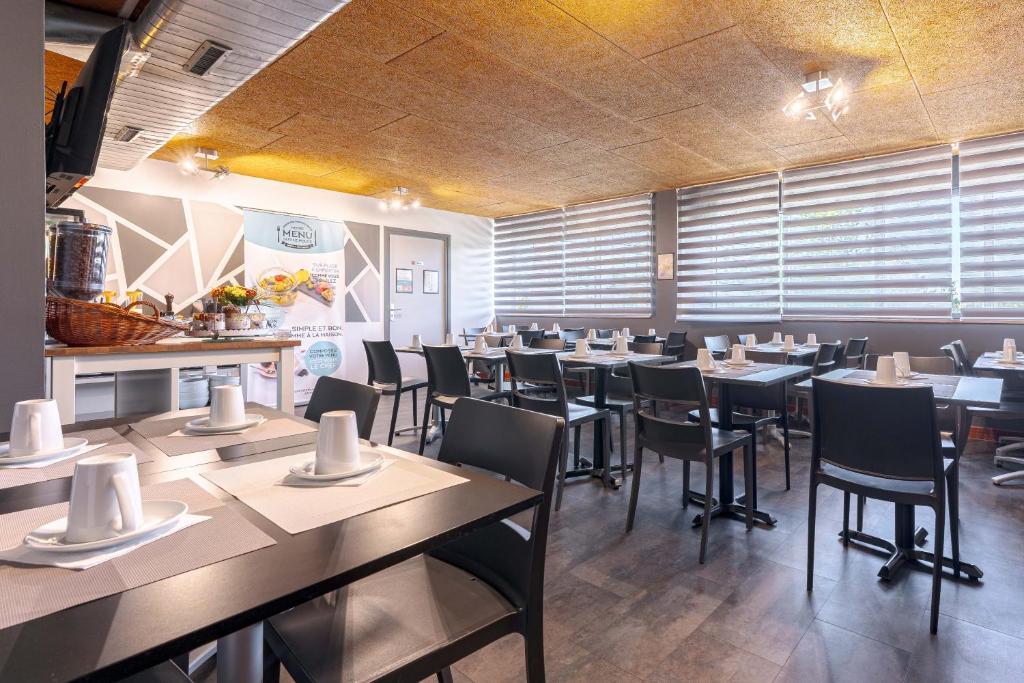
(235, 295)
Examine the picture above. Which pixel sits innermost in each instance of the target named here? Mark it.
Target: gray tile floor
(638, 606)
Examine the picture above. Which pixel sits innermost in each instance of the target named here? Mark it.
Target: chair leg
(576, 447)
(414, 411)
(394, 417)
(634, 491)
(534, 641)
(709, 476)
(563, 461)
(444, 675)
(622, 442)
(953, 501)
(861, 502)
(846, 518)
(940, 534)
(812, 510)
(748, 481)
(426, 424)
(444, 422)
(686, 483)
(606, 432)
(785, 442)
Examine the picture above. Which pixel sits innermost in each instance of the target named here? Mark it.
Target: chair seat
(618, 404)
(167, 672)
(408, 384)
(385, 622)
(739, 420)
(579, 414)
(883, 484)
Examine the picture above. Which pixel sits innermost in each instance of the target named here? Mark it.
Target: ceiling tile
(887, 118)
(988, 108)
(377, 29)
(669, 159)
(829, 149)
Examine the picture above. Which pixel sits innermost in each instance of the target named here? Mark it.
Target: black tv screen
(75, 131)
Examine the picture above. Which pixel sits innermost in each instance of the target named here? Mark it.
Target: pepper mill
(169, 299)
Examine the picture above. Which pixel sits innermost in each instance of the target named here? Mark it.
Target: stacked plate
(193, 392)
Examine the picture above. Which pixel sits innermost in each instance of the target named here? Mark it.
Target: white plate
(201, 425)
(712, 370)
(897, 383)
(367, 463)
(1000, 361)
(72, 445)
(738, 363)
(156, 515)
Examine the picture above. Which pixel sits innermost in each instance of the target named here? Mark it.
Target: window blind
(728, 251)
(591, 260)
(609, 258)
(869, 238)
(992, 227)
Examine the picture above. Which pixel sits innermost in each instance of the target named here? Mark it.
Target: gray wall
(919, 339)
(22, 205)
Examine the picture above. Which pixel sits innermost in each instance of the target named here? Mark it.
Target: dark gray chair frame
(332, 393)
(675, 344)
(447, 381)
(384, 372)
(718, 345)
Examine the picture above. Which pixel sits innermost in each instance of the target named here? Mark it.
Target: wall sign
(431, 282)
(403, 280)
(666, 267)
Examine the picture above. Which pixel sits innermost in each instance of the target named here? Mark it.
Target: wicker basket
(80, 323)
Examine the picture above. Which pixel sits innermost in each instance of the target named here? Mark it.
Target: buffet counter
(65, 363)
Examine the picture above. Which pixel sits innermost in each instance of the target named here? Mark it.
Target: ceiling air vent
(127, 133)
(204, 59)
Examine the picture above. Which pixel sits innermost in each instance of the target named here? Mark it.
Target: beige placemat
(167, 435)
(990, 361)
(30, 592)
(115, 443)
(296, 509)
(943, 386)
(724, 371)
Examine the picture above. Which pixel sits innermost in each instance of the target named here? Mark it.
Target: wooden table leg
(286, 380)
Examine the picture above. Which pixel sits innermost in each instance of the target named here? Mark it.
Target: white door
(417, 264)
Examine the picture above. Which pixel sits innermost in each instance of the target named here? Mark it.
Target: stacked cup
(337, 444)
(705, 361)
(885, 371)
(901, 359)
(1009, 350)
(739, 356)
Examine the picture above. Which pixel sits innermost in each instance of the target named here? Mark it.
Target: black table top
(771, 375)
(127, 632)
(970, 391)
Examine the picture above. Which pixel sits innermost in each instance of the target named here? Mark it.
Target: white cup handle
(129, 519)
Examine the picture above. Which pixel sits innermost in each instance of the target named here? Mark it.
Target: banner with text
(298, 264)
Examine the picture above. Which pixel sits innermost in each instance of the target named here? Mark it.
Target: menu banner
(297, 264)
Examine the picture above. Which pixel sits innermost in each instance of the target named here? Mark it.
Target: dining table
(120, 634)
(724, 377)
(959, 391)
(800, 353)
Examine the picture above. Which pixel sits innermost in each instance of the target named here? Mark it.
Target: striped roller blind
(992, 227)
(587, 260)
(609, 258)
(869, 238)
(528, 264)
(728, 253)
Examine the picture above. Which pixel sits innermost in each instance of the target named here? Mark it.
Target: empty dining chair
(331, 393)
(681, 388)
(717, 345)
(414, 620)
(645, 338)
(572, 334)
(530, 371)
(960, 348)
(675, 345)
(447, 382)
(882, 443)
(385, 373)
(529, 335)
(165, 672)
(855, 353)
(825, 359)
(555, 344)
(742, 338)
(469, 334)
(952, 354)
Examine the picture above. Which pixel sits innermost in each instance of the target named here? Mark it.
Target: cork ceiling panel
(496, 107)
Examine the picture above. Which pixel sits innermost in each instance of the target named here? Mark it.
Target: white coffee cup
(449, 339)
(480, 344)
(789, 343)
(582, 348)
(591, 333)
(105, 497)
(1009, 343)
(35, 427)
(651, 333)
(337, 442)
(227, 406)
(534, 326)
(812, 339)
(738, 354)
(555, 327)
(902, 362)
(777, 338)
(885, 371)
(417, 341)
(705, 361)
(621, 345)
(517, 343)
(751, 341)
(625, 332)
(512, 329)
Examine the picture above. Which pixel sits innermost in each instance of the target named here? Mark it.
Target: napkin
(53, 461)
(23, 554)
(295, 482)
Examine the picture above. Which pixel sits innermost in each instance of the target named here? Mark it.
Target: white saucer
(579, 357)
(201, 425)
(738, 363)
(712, 370)
(72, 445)
(367, 463)
(898, 383)
(156, 515)
(1001, 361)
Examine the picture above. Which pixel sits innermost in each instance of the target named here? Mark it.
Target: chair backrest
(773, 357)
(952, 354)
(679, 387)
(965, 359)
(382, 363)
(743, 337)
(522, 446)
(605, 334)
(472, 331)
(495, 341)
(882, 431)
(572, 334)
(856, 348)
(719, 343)
(933, 365)
(825, 358)
(529, 335)
(554, 344)
(762, 398)
(446, 371)
(645, 338)
(652, 347)
(675, 338)
(870, 361)
(331, 393)
(531, 370)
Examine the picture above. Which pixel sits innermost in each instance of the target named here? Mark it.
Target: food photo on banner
(296, 263)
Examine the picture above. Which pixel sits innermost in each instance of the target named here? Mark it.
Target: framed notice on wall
(431, 282)
(403, 280)
(666, 269)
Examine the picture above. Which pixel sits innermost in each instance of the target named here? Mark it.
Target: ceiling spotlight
(221, 173)
(820, 95)
(188, 167)
(399, 202)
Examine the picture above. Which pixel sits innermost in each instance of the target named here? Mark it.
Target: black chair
(645, 338)
(681, 388)
(331, 393)
(385, 373)
(555, 344)
(882, 443)
(825, 360)
(530, 371)
(964, 357)
(742, 338)
(529, 335)
(953, 355)
(469, 334)
(675, 345)
(855, 353)
(416, 619)
(447, 382)
(572, 334)
(717, 345)
(605, 333)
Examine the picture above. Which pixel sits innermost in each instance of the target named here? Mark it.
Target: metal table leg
(240, 655)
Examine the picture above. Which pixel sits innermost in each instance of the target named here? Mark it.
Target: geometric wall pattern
(362, 273)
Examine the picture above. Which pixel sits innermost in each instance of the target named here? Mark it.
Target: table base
(734, 510)
(911, 557)
(587, 469)
(240, 655)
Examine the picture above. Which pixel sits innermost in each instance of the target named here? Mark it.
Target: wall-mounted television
(75, 131)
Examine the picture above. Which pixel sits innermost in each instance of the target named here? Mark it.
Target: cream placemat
(301, 508)
(30, 592)
(167, 435)
(114, 443)
(943, 386)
